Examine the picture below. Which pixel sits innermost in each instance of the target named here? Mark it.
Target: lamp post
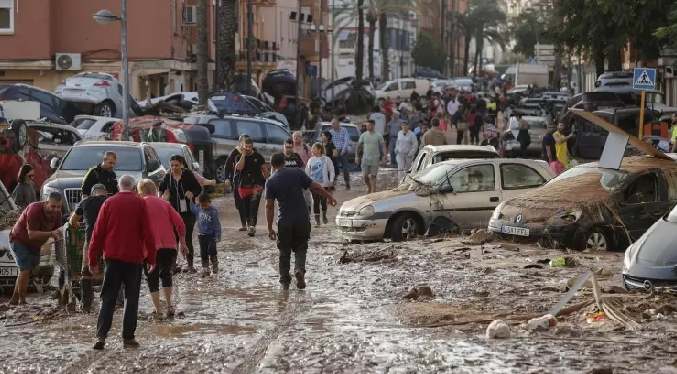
(105, 17)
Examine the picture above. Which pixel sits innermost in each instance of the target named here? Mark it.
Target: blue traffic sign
(645, 79)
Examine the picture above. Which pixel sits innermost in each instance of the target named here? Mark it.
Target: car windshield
(85, 157)
(165, 152)
(433, 174)
(86, 124)
(609, 178)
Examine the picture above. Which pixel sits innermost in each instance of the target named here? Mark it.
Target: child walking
(209, 232)
(320, 169)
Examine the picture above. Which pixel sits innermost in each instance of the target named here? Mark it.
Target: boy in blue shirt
(209, 232)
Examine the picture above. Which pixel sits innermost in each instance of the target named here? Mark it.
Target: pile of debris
(8, 218)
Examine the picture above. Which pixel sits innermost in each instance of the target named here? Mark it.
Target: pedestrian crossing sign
(645, 79)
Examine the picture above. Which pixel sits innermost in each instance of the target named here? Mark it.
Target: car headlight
(497, 212)
(180, 135)
(366, 211)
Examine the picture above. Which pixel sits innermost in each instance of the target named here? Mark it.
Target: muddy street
(358, 316)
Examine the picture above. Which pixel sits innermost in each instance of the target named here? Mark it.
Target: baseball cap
(98, 186)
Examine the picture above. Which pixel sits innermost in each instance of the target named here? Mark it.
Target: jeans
(403, 164)
(459, 137)
(251, 207)
(343, 160)
(207, 248)
(292, 238)
(119, 273)
(391, 150)
(319, 201)
(239, 204)
(189, 221)
(163, 270)
(474, 135)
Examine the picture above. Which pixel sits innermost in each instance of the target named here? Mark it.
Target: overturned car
(592, 207)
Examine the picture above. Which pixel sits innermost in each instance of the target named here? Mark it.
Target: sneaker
(324, 218)
(285, 286)
(100, 344)
(251, 230)
(130, 343)
(170, 312)
(176, 269)
(190, 269)
(300, 280)
(205, 272)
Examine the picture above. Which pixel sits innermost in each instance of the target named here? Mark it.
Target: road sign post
(644, 79)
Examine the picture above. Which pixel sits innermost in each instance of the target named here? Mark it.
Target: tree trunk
(359, 56)
(569, 68)
(466, 57)
(227, 28)
(202, 53)
(383, 41)
(370, 50)
(479, 45)
(557, 68)
(598, 54)
(614, 59)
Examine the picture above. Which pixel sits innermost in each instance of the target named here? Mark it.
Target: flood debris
(544, 322)
(568, 261)
(420, 292)
(385, 254)
(478, 237)
(498, 329)
(8, 218)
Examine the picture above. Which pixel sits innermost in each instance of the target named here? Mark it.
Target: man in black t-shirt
(88, 211)
(293, 224)
(291, 158)
(253, 175)
(548, 145)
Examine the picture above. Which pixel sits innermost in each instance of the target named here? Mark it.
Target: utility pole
(216, 86)
(298, 68)
(452, 53)
(320, 30)
(125, 72)
(250, 43)
(442, 30)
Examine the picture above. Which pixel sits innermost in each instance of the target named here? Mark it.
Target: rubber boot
(215, 264)
(317, 220)
(324, 218)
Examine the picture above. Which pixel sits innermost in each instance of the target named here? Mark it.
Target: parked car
(428, 74)
(464, 192)
(96, 93)
(8, 269)
(353, 137)
(19, 145)
(185, 100)
(166, 150)
(94, 127)
(440, 85)
(402, 88)
(538, 127)
(431, 154)
(233, 103)
(592, 207)
(52, 107)
(464, 84)
(592, 101)
(650, 261)
(268, 136)
(54, 140)
(136, 159)
(614, 80)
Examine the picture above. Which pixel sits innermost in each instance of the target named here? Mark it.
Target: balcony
(264, 56)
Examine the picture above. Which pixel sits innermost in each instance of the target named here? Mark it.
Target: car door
(225, 139)
(641, 203)
(190, 159)
(408, 87)
(158, 173)
(517, 179)
(275, 137)
(587, 140)
(473, 199)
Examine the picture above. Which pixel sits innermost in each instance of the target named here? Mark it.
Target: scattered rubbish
(542, 323)
(488, 270)
(422, 291)
(462, 249)
(564, 261)
(666, 309)
(543, 261)
(441, 225)
(384, 254)
(498, 329)
(533, 266)
(614, 290)
(478, 237)
(508, 246)
(599, 316)
(603, 272)
(483, 293)
(604, 370)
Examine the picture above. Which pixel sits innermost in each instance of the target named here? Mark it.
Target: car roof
(261, 119)
(469, 161)
(167, 144)
(97, 118)
(116, 144)
(32, 87)
(456, 147)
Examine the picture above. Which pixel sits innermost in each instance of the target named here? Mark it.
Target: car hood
(652, 257)
(356, 204)
(62, 179)
(540, 204)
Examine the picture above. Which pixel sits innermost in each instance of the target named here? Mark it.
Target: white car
(94, 127)
(95, 93)
(186, 100)
(402, 88)
(439, 86)
(461, 194)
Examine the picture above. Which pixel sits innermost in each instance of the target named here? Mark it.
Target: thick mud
(354, 318)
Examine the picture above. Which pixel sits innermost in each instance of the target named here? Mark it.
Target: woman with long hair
(24, 193)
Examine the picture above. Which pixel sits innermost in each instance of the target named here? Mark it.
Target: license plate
(9, 272)
(512, 230)
(345, 222)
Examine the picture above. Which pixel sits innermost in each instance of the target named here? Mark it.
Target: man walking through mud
(373, 145)
(286, 186)
(121, 232)
(340, 137)
(253, 175)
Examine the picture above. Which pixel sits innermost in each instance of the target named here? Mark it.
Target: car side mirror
(153, 164)
(54, 163)
(196, 166)
(447, 188)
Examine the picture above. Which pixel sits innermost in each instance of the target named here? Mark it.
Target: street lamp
(106, 17)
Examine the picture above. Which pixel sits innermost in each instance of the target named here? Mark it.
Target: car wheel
(404, 228)
(221, 170)
(20, 130)
(596, 240)
(105, 109)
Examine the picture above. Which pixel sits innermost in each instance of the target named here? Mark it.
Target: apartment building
(35, 35)
(439, 25)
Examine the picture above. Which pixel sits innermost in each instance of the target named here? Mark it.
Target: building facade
(438, 25)
(161, 52)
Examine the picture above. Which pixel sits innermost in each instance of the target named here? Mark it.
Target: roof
(456, 147)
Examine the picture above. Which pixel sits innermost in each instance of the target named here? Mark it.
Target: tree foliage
(527, 32)
(428, 52)
(668, 34)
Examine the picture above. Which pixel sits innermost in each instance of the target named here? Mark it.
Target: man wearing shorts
(372, 144)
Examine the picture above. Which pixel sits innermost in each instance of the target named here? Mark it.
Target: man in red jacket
(122, 230)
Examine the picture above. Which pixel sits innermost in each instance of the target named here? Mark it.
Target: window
(642, 190)
(85, 123)
(253, 129)
(6, 16)
(409, 85)
(189, 156)
(54, 136)
(472, 179)
(223, 129)
(276, 134)
(517, 177)
(391, 87)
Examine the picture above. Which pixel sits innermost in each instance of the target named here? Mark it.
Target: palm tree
(359, 56)
(371, 20)
(482, 20)
(202, 53)
(227, 28)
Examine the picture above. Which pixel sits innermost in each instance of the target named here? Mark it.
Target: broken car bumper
(361, 229)
(563, 234)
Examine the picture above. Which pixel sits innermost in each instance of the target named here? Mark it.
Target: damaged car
(432, 154)
(458, 194)
(592, 207)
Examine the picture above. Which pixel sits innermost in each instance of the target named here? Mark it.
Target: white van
(402, 88)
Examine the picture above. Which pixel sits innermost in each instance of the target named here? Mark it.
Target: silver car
(538, 127)
(95, 93)
(54, 140)
(461, 192)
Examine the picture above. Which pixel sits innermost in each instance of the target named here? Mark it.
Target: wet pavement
(352, 318)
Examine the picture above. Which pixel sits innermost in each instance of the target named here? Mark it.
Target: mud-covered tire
(405, 228)
(220, 169)
(105, 109)
(20, 131)
(595, 239)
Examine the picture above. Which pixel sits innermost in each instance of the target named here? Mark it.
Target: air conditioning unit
(190, 15)
(68, 61)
